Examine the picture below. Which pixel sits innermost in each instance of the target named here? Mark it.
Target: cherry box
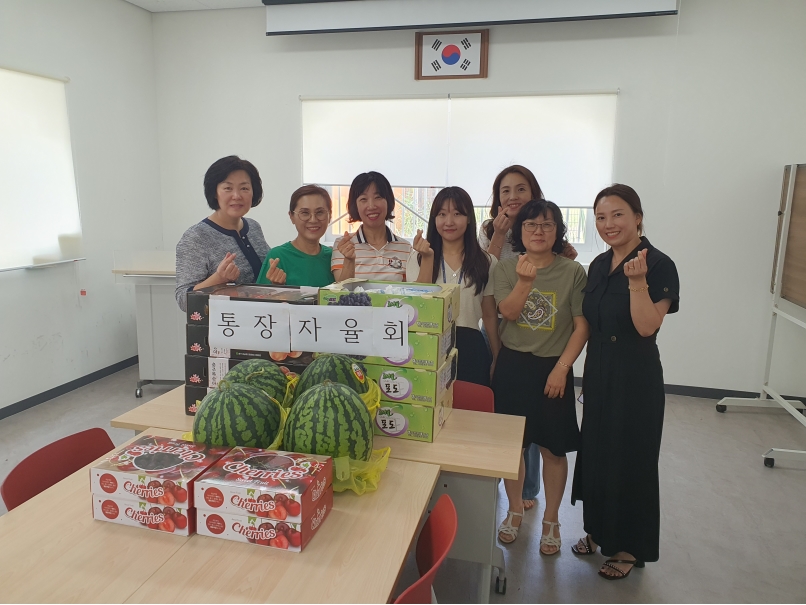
(265, 532)
(158, 470)
(282, 486)
(139, 513)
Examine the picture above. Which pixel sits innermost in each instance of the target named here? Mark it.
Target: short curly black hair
(531, 210)
(360, 184)
(221, 169)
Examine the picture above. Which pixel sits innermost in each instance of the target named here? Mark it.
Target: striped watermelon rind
(329, 419)
(263, 374)
(337, 369)
(236, 414)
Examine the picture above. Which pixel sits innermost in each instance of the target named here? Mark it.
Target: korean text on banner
(249, 325)
(280, 327)
(350, 330)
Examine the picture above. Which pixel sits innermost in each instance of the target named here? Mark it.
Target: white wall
(48, 334)
(709, 112)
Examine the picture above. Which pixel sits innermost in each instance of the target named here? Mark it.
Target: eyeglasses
(305, 215)
(547, 227)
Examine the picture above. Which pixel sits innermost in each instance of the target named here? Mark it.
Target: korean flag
(451, 55)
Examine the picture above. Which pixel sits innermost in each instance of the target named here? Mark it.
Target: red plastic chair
(433, 545)
(52, 463)
(471, 396)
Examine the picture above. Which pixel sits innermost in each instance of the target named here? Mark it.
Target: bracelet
(565, 365)
(496, 245)
(642, 289)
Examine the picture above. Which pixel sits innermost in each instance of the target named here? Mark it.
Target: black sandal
(609, 563)
(586, 544)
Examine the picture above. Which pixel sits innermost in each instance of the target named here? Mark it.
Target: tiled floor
(731, 529)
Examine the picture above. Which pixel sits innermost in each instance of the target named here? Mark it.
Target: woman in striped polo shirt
(374, 252)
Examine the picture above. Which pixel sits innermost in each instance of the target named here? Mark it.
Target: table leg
(476, 500)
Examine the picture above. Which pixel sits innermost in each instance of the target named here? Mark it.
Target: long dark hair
(531, 210)
(476, 262)
(537, 192)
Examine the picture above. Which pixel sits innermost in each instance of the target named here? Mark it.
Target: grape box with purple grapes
(432, 308)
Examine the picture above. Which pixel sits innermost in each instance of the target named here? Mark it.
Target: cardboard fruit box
(193, 397)
(426, 351)
(265, 532)
(207, 372)
(414, 422)
(198, 309)
(410, 385)
(158, 470)
(198, 344)
(432, 308)
(284, 486)
(139, 513)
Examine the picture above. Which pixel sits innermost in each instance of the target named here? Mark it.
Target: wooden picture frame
(449, 71)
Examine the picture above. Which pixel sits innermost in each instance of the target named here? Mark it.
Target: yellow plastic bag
(372, 397)
(292, 379)
(359, 476)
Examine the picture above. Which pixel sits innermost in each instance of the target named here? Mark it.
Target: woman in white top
(373, 252)
(457, 258)
(513, 187)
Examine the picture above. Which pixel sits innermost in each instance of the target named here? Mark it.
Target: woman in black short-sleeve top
(630, 289)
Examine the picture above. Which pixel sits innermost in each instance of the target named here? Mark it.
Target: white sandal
(550, 539)
(507, 529)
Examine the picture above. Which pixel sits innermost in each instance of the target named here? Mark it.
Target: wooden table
(472, 443)
(473, 450)
(53, 551)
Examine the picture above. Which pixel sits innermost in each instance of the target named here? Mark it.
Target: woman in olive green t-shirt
(539, 295)
(303, 261)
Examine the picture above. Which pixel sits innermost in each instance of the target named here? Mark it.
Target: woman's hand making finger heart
(526, 271)
(227, 270)
(422, 245)
(635, 269)
(275, 275)
(346, 246)
(502, 223)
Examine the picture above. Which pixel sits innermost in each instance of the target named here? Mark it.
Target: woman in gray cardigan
(225, 247)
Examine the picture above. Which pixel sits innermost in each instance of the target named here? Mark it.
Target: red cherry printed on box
(283, 535)
(139, 513)
(158, 470)
(270, 484)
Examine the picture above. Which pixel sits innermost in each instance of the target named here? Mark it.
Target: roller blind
(40, 215)
(566, 140)
(404, 139)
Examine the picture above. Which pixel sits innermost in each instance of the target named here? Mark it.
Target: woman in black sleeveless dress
(630, 289)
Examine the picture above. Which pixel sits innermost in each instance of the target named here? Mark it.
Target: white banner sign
(350, 330)
(280, 327)
(249, 325)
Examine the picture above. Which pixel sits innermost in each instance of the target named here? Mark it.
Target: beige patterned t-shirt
(546, 323)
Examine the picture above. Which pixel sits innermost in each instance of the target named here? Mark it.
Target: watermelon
(337, 369)
(329, 419)
(237, 414)
(260, 373)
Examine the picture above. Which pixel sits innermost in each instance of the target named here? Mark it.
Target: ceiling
(162, 6)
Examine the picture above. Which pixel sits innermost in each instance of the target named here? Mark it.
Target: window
(421, 145)
(39, 203)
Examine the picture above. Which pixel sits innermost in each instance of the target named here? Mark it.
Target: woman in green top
(539, 295)
(303, 261)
